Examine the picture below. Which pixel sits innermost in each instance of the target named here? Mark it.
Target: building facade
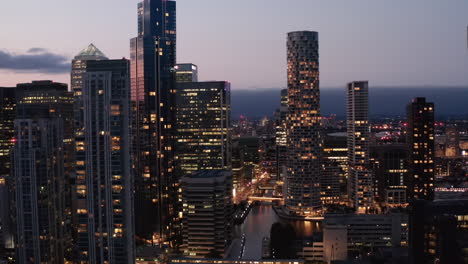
(41, 168)
(207, 213)
(203, 126)
(153, 55)
(360, 192)
(420, 141)
(302, 185)
(104, 180)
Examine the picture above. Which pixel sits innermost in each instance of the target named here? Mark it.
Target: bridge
(264, 199)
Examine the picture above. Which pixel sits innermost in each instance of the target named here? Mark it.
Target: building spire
(91, 53)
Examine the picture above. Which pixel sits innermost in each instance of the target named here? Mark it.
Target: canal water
(257, 226)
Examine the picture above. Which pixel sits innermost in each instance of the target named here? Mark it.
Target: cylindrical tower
(302, 188)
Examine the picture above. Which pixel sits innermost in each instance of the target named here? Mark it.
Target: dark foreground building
(438, 232)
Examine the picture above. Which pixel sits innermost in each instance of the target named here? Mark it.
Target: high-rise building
(203, 126)
(360, 193)
(420, 140)
(104, 181)
(186, 72)
(42, 168)
(281, 135)
(79, 66)
(153, 56)
(390, 170)
(335, 168)
(7, 141)
(207, 213)
(302, 192)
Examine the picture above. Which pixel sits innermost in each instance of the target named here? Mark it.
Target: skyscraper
(420, 141)
(79, 64)
(360, 182)
(203, 126)
(153, 55)
(186, 72)
(41, 165)
(7, 141)
(104, 182)
(207, 213)
(281, 135)
(302, 192)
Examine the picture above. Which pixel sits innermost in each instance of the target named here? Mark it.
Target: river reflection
(257, 226)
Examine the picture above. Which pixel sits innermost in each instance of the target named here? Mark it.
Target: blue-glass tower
(153, 55)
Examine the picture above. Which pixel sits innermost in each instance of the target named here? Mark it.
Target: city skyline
(134, 159)
(413, 56)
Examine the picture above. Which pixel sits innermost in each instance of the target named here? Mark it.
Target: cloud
(35, 60)
(37, 50)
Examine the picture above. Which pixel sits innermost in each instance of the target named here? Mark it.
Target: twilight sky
(392, 42)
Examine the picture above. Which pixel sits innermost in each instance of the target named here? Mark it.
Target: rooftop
(91, 53)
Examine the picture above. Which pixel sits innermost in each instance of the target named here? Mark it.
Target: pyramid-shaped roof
(91, 53)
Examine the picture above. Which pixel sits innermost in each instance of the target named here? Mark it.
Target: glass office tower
(153, 55)
(203, 126)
